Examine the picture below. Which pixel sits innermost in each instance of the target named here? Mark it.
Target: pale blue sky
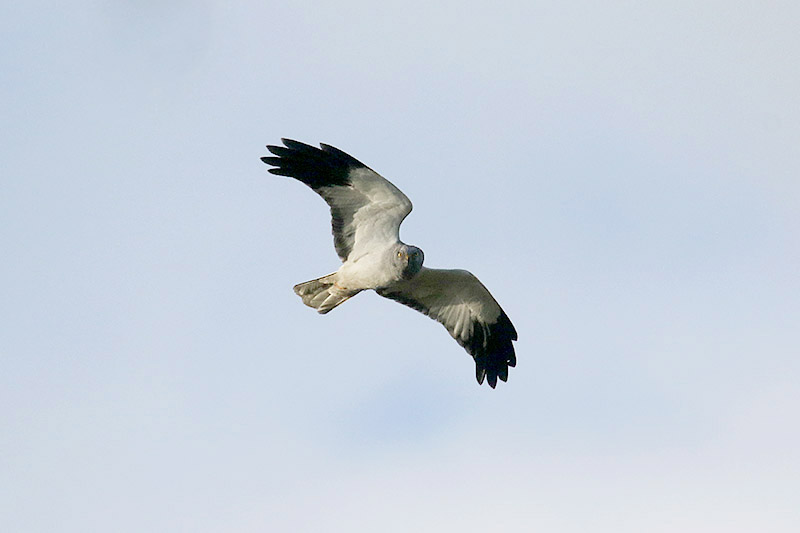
(624, 177)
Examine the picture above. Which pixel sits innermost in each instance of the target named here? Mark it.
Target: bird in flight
(366, 212)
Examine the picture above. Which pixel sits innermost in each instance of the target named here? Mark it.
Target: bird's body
(373, 270)
(366, 212)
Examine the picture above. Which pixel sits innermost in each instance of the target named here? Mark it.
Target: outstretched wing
(366, 209)
(465, 307)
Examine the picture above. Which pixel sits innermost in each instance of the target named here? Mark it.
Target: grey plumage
(366, 213)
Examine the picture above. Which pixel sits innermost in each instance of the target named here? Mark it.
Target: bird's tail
(322, 293)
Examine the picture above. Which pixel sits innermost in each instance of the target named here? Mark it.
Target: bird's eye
(399, 254)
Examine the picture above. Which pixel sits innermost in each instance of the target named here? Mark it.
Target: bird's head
(410, 259)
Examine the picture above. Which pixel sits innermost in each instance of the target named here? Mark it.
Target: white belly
(369, 271)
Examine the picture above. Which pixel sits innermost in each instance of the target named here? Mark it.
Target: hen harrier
(367, 211)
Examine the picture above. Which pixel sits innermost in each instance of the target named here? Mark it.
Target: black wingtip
(316, 167)
(297, 145)
(494, 351)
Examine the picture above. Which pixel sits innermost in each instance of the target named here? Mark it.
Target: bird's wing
(366, 209)
(465, 307)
